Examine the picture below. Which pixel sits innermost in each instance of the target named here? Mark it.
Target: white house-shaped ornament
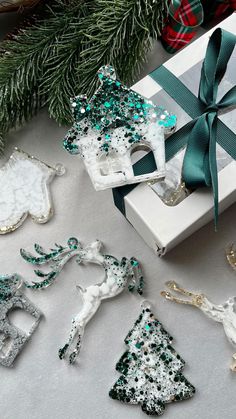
(113, 124)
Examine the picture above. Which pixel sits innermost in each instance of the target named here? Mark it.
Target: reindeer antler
(195, 299)
(59, 256)
(45, 257)
(231, 255)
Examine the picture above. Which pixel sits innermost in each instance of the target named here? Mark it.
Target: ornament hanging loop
(145, 304)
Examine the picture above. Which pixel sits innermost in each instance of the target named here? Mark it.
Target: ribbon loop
(200, 167)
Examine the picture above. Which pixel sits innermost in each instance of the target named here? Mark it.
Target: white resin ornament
(113, 124)
(222, 313)
(119, 274)
(24, 190)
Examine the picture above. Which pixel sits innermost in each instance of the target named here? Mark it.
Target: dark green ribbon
(200, 167)
(200, 134)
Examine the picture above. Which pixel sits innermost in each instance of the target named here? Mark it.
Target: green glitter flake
(112, 106)
(135, 263)
(107, 104)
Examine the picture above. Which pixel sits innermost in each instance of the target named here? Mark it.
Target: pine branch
(25, 61)
(1, 143)
(59, 55)
(61, 81)
(119, 33)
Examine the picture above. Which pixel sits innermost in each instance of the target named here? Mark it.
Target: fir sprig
(120, 33)
(59, 55)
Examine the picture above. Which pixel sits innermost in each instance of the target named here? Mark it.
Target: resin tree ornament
(222, 313)
(113, 124)
(151, 369)
(13, 339)
(119, 274)
(24, 190)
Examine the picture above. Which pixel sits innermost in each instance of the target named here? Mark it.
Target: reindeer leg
(79, 331)
(76, 351)
(89, 309)
(73, 332)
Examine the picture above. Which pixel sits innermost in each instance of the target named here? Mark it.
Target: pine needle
(59, 55)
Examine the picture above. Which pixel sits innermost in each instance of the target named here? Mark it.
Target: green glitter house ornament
(113, 124)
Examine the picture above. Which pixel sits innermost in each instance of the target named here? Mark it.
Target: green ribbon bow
(200, 167)
(199, 135)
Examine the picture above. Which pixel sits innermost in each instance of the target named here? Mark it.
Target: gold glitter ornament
(222, 313)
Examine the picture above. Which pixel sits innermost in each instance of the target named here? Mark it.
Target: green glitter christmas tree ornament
(151, 369)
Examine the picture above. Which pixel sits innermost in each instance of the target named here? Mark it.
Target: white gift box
(162, 226)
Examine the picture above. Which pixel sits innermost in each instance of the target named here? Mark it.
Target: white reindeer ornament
(118, 275)
(24, 189)
(221, 313)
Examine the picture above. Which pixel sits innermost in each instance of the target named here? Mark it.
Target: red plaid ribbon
(186, 15)
(184, 18)
(217, 8)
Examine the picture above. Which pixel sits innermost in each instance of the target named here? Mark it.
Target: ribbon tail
(196, 171)
(213, 165)
(200, 166)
